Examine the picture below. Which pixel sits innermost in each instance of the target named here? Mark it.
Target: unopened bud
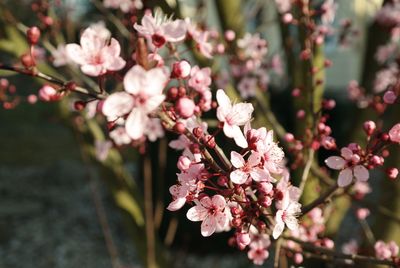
(179, 128)
(79, 105)
(181, 69)
(33, 35)
(392, 173)
(369, 127)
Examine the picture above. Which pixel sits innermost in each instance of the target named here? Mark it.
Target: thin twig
(325, 251)
(320, 200)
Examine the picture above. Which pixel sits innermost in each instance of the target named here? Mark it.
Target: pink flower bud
(179, 127)
(287, 18)
(389, 97)
(298, 258)
(183, 163)
(48, 93)
(328, 143)
(289, 137)
(369, 127)
(392, 173)
(300, 114)
(296, 92)
(33, 35)
(265, 187)
(362, 213)
(230, 35)
(305, 54)
(329, 243)
(243, 239)
(32, 99)
(220, 48)
(4, 83)
(181, 69)
(185, 107)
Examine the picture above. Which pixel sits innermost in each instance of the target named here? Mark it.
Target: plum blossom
(154, 129)
(142, 95)
(188, 187)
(254, 46)
(247, 87)
(200, 79)
(258, 252)
(286, 215)
(96, 55)
(386, 251)
(119, 136)
(161, 30)
(385, 78)
(247, 169)
(124, 5)
(60, 56)
(233, 116)
(349, 165)
(350, 247)
(394, 133)
(212, 212)
(329, 8)
(272, 154)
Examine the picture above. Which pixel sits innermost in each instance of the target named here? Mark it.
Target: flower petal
(135, 123)
(219, 202)
(117, 104)
(238, 176)
(345, 177)
(237, 159)
(335, 162)
(208, 226)
(361, 173)
(197, 213)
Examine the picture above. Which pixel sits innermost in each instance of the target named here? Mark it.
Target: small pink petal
(361, 173)
(345, 177)
(335, 162)
(237, 159)
(208, 226)
(238, 176)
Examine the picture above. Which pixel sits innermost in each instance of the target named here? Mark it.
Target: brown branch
(320, 200)
(329, 252)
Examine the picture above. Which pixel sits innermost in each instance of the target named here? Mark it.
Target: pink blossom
(200, 79)
(394, 133)
(258, 252)
(161, 30)
(389, 97)
(329, 8)
(254, 46)
(247, 87)
(386, 251)
(142, 95)
(202, 44)
(385, 78)
(272, 154)
(60, 56)
(349, 166)
(154, 129)
(350, 247)
(124, 5)
(49, 93)
(362, 213)
(188, 187)
(119, 136)
(247, 169)
(211, 212)
(233, 116)
(286, 216)
(95, 55)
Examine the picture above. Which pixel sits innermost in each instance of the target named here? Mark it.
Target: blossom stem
(307, 168)
(320, 200)
(337, 255)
